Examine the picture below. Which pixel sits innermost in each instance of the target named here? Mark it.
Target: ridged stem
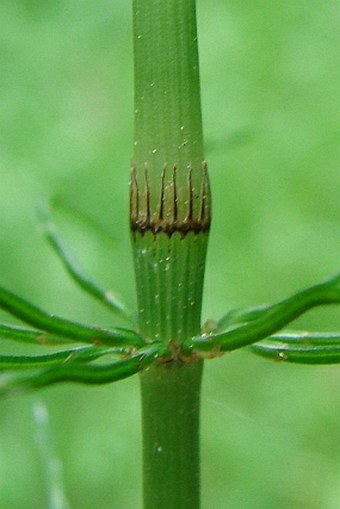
(169, 274)
(170, 211)
(168, 126)
(169, 189)
(170, 402)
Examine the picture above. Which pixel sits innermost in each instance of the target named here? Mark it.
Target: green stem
(169, 274)
(170, 196)
(170, 213)
(170, 402)
(168, 126)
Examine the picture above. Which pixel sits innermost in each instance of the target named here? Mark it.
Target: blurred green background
(271, 107)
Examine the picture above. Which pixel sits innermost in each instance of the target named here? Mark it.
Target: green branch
(79, 354)
(30, 336)
(78, 372)
(34, 316)
(76, 273)
(267, 320)
(303, 348)
(240, 316)
(307, 338)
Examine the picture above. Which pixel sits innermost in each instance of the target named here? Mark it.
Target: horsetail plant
(170, 216)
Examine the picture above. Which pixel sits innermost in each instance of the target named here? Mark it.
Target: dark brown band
(169, 216)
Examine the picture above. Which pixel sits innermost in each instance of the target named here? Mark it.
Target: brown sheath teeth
(169, 216)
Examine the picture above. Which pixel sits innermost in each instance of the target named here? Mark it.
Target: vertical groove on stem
(171, 395)
(170, 213)
(170, 204)
(169, 275)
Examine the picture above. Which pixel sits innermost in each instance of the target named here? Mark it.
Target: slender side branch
(303, 348)
(307, 338)
(77, 274)
(79, 354)
(74, 331)
(240, 316)
(87, 374)
(30, 336)
(271, 319)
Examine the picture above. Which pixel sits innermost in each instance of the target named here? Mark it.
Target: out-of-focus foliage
(270, 91)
